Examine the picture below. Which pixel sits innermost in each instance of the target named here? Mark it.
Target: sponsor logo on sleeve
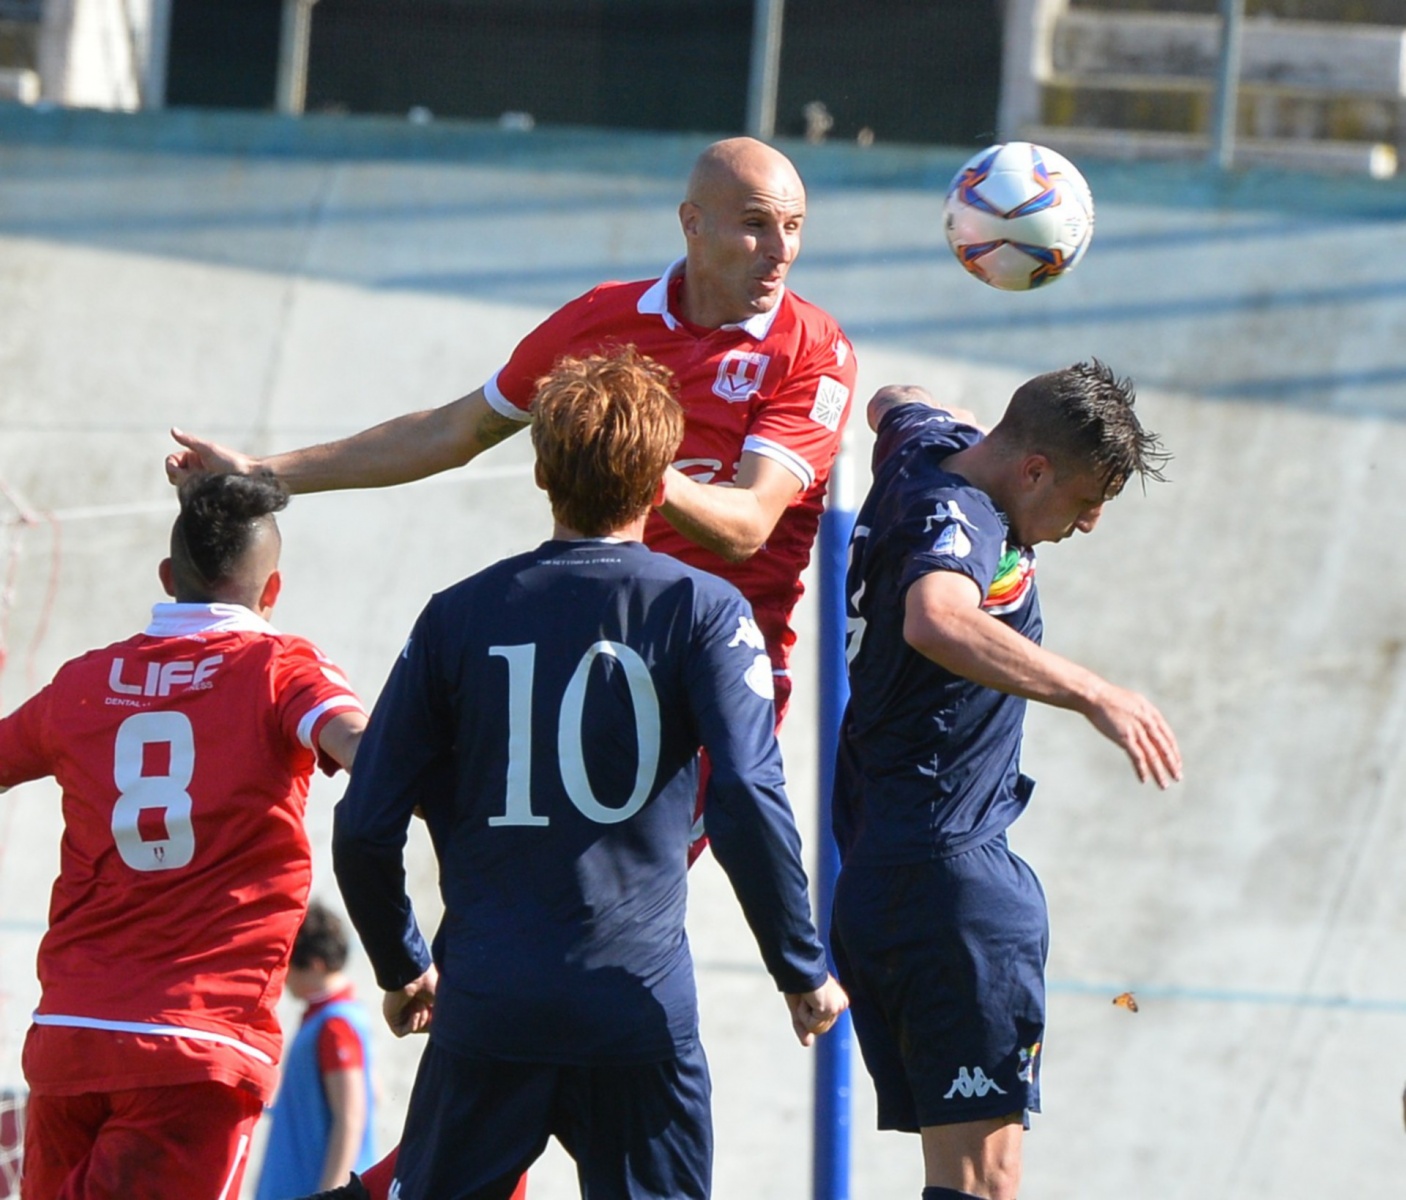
(831, 396)
(841, 351)
(953, 541)
(760, 678)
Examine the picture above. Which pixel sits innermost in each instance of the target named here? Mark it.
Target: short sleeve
(950, 530)
(800, 424)
(309, 690)
(23, 755)
(339, 1047)
(512, 387)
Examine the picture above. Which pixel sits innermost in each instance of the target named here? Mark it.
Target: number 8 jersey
(184, 755)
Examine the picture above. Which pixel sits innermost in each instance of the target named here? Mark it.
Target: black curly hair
(220, 516)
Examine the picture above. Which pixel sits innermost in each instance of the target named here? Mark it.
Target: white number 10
(571, 758)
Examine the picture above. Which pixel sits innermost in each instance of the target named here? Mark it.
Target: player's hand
(201, 456)
(1133, 722)
(409, 1009)
(813, 1013)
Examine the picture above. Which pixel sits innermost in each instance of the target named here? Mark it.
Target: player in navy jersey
(939, 931)
(545, 717)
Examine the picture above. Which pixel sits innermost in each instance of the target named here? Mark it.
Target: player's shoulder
(809, 316)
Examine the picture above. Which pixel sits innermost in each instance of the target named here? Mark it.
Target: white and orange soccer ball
(1018, 216)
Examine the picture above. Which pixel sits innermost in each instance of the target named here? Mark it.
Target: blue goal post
(834, 1057)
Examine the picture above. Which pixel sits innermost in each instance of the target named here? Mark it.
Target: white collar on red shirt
(656, 301)
(183, 620)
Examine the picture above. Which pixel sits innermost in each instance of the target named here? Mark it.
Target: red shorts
(184, 1142)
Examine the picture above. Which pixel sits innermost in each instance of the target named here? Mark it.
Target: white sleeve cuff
(789, 459)
(500, 404)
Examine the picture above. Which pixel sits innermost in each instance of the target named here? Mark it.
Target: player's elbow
(741, 547)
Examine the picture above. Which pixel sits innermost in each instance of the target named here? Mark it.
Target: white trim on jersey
(141, 1027)
(183, 620)
(655, 302)
(789, 459)
(339, 703)
(500, 404)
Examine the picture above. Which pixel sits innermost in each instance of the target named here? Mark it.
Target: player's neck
(633, 532)
(982, 467)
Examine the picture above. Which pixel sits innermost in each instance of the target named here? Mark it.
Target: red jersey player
(184, 755)
(765, 380)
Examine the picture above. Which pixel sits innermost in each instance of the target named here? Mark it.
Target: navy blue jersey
(546, 717)
(928, 763)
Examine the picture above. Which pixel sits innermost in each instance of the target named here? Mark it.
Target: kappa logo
(947, 510)
(740, 375)
(841, 351)
(747, 635)
(973, 1083)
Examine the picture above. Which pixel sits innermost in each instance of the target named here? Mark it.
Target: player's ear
(273, 585)
(1034, 468)
(537, 476)
(690, 217)
(659, 494)
(168, 581)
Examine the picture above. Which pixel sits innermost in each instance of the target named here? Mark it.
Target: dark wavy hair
(1081, 418)
(219, 517)
(321, 935)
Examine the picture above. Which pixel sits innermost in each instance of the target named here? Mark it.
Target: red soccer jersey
(184, 755)
(778, 385)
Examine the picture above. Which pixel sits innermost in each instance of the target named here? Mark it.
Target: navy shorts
(944, 962)
(637, 1131)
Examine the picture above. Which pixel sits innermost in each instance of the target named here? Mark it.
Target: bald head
(741, 218)
(741, 162)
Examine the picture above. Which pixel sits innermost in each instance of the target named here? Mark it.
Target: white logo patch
(973, 1083)
(830, 400)
(747, 635)
(841, 351)
(953, 541)
(948, 509)
(760, 679)
(740, 375)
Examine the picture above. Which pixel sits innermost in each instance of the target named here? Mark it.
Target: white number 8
(166, 794)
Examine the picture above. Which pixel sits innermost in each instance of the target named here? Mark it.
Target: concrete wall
(274, 283)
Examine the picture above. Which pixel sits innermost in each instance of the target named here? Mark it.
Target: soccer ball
(1018, 216)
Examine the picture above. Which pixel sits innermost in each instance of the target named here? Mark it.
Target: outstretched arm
(943, 622)
(396, 451)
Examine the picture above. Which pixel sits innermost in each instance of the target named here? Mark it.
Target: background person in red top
(322, 1117)
(184, 755)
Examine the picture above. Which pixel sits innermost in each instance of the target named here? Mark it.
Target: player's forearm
(400, 450)
(731, 522)
(976, 646)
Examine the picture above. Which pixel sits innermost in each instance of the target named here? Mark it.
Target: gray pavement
(272, 283)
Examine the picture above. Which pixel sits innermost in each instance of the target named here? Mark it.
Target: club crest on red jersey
(740, 375)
